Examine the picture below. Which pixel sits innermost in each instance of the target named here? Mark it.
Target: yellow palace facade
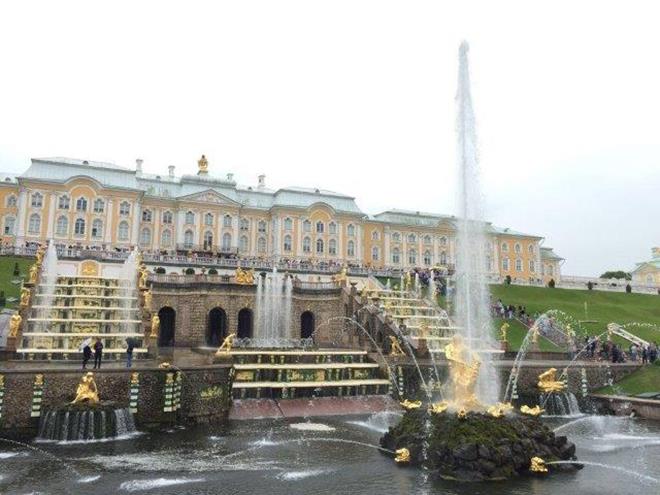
(103, 206)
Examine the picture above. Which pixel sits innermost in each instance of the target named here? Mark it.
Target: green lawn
(646, 379)
(7, 276)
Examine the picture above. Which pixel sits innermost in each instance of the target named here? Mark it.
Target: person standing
(130, 345)
(98, 353)
(87, 355)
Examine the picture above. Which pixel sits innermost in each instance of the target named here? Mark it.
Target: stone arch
(167, 317)
(245, 323)
(217, 327)
(306, 324)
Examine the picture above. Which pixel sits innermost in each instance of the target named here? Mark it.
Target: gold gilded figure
(25, 297)
(144, 274)
(244, 277)
(226, 345)
(203, 165)
(531, 411)
(147, 300)
(396, 347)
(34, 273)
(537, 465)
(402, 455)
(14, 324)
(503, 330)
(548, 382)
(409, 404)
(155, 326)
(87, 391)
(463, 373)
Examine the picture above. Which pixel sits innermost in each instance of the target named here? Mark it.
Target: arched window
(97, 229)
(190, 218)
(10, 224)
(166, 238)
(63, 202)
(443, 258)
(517, 248)
(287, 243)
(551, 270)
(188, 239)
(208, 219)
(427, 239)
(320, 227)
(261, 245)
(350, 249)
(505, 264)
(62, 226)
(489, 264)
(307, 245)
(396, 237)
(226, 241)
(532, 266)
(227, 220)
(146, 215)
(145, 237)
(505, 247)
(37, 200)
(443, 241)
(412, 238)
(427, 258)
(375, 253)
(288, 224)
(412, 257)
(332, 247)
(167, 217)
(396, 256)
(81, 204)
(245, 224)
(11, 201)
(530, 248)
(79, 227)
(519, 265)
(124, 208)
(123, 230)
(307, 226)
(350, 230)
(261, 227)
(99, 205)
(375, 235)
(319, 246)
(208, 240)
(332, 228)
(243, 244)
(649, 279)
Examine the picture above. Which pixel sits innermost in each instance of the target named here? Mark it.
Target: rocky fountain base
(85, 421)
(478, 447)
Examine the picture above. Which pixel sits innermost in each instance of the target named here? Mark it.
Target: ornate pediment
(209, 196)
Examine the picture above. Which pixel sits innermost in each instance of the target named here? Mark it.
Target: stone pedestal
(504, 345)
(11, 345)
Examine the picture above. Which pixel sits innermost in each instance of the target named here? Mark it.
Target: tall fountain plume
(48, 281)
(471, 296)
(273, 318)
(128, 283)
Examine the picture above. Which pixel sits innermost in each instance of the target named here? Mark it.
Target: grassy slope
(646, 379)
(6, 276)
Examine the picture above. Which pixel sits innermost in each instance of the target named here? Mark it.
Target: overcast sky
(358, 97)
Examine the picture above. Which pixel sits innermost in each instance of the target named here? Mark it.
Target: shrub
(628, 288)
(17, 270)
(590, 285)
(507, 280)
(213, 271)
(190, 271)
(159, 269)
(551, 284)
(3, 300)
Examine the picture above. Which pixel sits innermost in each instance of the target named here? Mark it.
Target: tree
(17, 270)
(160, 269)
(213, 271)
(590, 285)
(507, 280)
(618, 274)
(190, 271)
(628, 288)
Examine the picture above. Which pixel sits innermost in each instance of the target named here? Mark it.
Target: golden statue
(40, 254)
(164, 366)
(14, 324)
(402, 455)
(144, 274)
(147, 300)
(25, 297)
(87, 391)
(463, 373)
(462, 413)
(135, 378)
(407, 281)
(38, 380)
(535, 334)
(537, 465)
(342, 277)
(396, 347)
(203, 165)
(409, 404)
(244, 277)
(34, 273)
(155, 326)
(548, 383)
(225, 347)
(503, 330)
(495, 411)
(439, 407)
(531, 411)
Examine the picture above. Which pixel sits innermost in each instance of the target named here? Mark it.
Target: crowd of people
(615, 353)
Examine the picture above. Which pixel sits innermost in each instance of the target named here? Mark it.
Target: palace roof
(547, 253)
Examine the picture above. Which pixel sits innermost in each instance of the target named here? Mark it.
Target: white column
(135, 228)
(340, 241)
(22, 216)
(235, 222)
(180, 219)
(386, 246)
(254, 225)
(51, 216)
(107, 233)
(199, 215)
(359, 243)
(155, 234)
(276, 237)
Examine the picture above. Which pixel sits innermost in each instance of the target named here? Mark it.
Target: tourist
(98, 353)
(87, 354)
(130, 345)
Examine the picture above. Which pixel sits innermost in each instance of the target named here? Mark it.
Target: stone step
(311, 384)
(303, 366)
(297, 352)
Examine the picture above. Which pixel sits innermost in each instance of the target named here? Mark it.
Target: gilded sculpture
(203, 165)
(409, 404)
(155, 326)
(144, 275)
(408, 281)
(548, 382)
(148, 296)
(531, 411)
(225, 347)
(87, 390)
(537, 465)
(244, 277)
(25, 297)
(395, 347)
(535, 334)
(402, 455)
(439, 407)
(463, 373)
(34, 273)
(503, 331)
(14, 324)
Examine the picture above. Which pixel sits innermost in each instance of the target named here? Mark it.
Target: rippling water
(271, 457)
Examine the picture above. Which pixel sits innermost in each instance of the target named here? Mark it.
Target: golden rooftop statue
(548, 383)
(537, 465)
(463, 373)
(396, 347)
(402, 455)
(227, 344)
(87, 391)
(203, 166)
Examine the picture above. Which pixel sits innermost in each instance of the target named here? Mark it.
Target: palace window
(517, 248)
(505, 247)
(166, 238)
(63, 202)
(375, 253)
(261, 227)
(11, 201)
(427, 239)
(99, 206)
(350, 249)
(489, 264)
(81, 204)
(190, 218)
(62, 226)
(412, 238)
(97, 229)
(124, 208)
(123, 230)
(208, 219)
(307, 226)
(332, 247)
(427, 258)
(10, 223)
(37, 200)
(145, 237)
(226, 221)
(288, 224)
(243, 244)
(649, 279)
(519, 265)
(505, 264)
(287, 243)
(396, 237)
(375, 235)
(79, 227)
(146, 216)
(307, 245)
(443, 241)
(532, 266)
(245, 224)
(34, 225)
(530, 249)
(320, 227)
(167, 217)
(396, 256)
(188, 239)
(226, 241)
(412, 257)
(443, 257)
(350, 230)
(208, 240)
(319, 246)
(332, 228)
(261, 245)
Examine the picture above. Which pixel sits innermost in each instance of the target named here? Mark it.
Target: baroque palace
(103, 206)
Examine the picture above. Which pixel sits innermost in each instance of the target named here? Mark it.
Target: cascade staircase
(617, 329)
